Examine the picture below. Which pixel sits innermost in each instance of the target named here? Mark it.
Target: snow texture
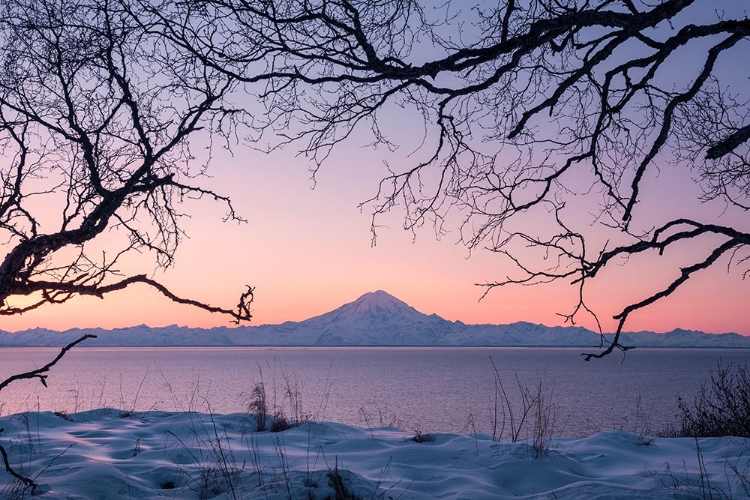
(111, 454)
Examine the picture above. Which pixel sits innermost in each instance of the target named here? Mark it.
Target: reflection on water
(426, 389)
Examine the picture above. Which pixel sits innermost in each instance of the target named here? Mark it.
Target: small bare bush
(336, 481)
(545, 419)
(532, 408)
(258, 406)
(721, 408)
(280, 423)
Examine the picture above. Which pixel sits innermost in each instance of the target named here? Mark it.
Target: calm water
(426, 389)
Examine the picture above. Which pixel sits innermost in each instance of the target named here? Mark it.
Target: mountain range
(374, 319)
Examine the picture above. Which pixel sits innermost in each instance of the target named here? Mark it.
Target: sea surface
(420, 389)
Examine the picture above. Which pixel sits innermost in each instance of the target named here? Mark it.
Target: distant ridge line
(374, 319)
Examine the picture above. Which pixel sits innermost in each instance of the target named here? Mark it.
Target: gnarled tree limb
(541, 103)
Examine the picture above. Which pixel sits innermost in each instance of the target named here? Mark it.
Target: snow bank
(109, 454)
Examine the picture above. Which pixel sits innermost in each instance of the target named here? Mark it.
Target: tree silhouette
(527, 107)
(97, 114)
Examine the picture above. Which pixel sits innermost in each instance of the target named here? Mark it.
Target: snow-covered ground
(109, 454)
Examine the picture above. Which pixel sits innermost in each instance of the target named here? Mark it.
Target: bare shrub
(545, 419)
(267, 405)
(218, 472)
(336, 481)
(421, 437)
(293, 394)
(536, 407)
(721, 408)
(280, 423)
(258, 406)
(506, 412)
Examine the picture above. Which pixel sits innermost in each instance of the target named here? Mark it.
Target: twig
(38, 373)
(25, 480)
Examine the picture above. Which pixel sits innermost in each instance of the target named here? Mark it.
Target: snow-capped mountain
(373, 307)
(377, 318)
(374, 319)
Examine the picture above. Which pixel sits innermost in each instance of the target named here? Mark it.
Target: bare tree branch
(97, 116)
(40, 373)
(538, 105)
(25, 480)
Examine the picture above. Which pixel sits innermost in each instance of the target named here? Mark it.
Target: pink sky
(308, 251)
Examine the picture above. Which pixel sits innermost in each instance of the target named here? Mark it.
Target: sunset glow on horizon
(307, 245)
(308, 251)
